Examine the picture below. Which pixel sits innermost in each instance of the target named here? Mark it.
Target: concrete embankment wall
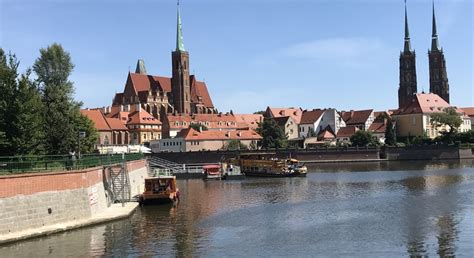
(210, 157)
(429, 152)
(34, 200)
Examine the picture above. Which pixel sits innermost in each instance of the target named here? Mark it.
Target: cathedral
(180, 94)
(437, 67)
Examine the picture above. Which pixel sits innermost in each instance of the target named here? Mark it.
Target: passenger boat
(260, 166)
(160, 189)
(211, 172)
(230, 170)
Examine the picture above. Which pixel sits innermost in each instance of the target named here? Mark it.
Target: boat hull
(265, 174)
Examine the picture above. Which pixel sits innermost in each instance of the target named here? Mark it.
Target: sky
(251, 53)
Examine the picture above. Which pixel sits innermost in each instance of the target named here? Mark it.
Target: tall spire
(179, 34)
(434, 37)
(407, 47)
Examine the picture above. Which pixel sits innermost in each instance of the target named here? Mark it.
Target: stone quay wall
(34, 200)
(429, 152)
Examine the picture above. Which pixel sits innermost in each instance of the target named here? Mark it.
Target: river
(389, 209)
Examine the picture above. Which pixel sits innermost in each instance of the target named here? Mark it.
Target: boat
(161, 188)
(211, 172)
(296, 168)
(230, 170)
(261, 166)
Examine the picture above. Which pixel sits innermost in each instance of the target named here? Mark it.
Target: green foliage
(84, 124)
(20, 110)
(235, 145)
(53, 68)
(259, 113)
(198, 127)
(464, 137)
(390, 134)
(363, 138)
(273, 136)
(449, 117)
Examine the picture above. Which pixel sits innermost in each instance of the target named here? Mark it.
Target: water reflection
(414, 209)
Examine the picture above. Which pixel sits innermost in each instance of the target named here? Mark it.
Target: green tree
(61, 111)
(84, 124)
(28, 122)
(363, 138)
(235, 145)
(198, 127)
(20, 110)
(273, 136)
(449, 117)
(390, 134)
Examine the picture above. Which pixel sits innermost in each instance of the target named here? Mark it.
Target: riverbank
(114, 212)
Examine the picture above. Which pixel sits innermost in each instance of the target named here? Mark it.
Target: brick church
(158, 95)
(437, 67)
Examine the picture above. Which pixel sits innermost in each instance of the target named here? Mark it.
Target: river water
(359, 209)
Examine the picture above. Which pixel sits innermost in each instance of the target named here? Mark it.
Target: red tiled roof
(424, 103)
(295, 113)
(211, 121)
(310, 117)
(469, 111)
(97, 117)
(378, 127)
(248, 120)
(199, 92)
(347, 131)
(193, 135)
(116, 124)
(356, 117)
(142, 117)
(327, 133)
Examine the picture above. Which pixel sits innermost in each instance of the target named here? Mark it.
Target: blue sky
(251, 53)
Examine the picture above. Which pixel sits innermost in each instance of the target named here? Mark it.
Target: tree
(450, 118)
(272, 135)
(198, 127)
(85, 125)
(235, 145)
(390, 135)
(62, 117)
(20, 110)
(363, 138)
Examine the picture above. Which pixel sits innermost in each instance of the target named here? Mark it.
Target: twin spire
(434, 40)
(179, 34)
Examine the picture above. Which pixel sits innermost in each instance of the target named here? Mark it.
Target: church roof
(424, 103)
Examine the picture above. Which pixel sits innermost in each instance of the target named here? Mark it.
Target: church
(158, 95)
(437, 68)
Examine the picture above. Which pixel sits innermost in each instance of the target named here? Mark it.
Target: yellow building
(415, 119)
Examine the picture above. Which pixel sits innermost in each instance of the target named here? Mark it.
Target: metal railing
(46, 163)
(174, 168)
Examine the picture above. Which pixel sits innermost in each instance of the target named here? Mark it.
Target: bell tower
(408, 83)
(180, 83)
(438, 75)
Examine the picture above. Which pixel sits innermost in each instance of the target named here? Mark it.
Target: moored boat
(160, 189)
(231, 171)
(211, 172)
(260, 166)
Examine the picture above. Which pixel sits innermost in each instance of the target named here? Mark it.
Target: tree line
(38, 113)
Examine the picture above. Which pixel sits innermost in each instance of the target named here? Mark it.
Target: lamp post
(81, 135)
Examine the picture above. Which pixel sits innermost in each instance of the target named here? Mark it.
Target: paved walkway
(114, 212)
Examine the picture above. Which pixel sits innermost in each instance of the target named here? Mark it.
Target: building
(193, 140)
(345, 133)
(361, 119)
(158, 95)
(249, 121)
(288, 125)
(143, 127)
(309, 124)
(439, 84)
(378, 130)
(414, 120)
(470, 113)
(294, 113)
(408, 82)
(111, 130)
(172, 124)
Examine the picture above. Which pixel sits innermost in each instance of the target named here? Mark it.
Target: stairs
(116, 183)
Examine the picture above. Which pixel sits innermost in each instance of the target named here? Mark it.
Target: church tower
(408, 85)
(180, 82)
(438, 75)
